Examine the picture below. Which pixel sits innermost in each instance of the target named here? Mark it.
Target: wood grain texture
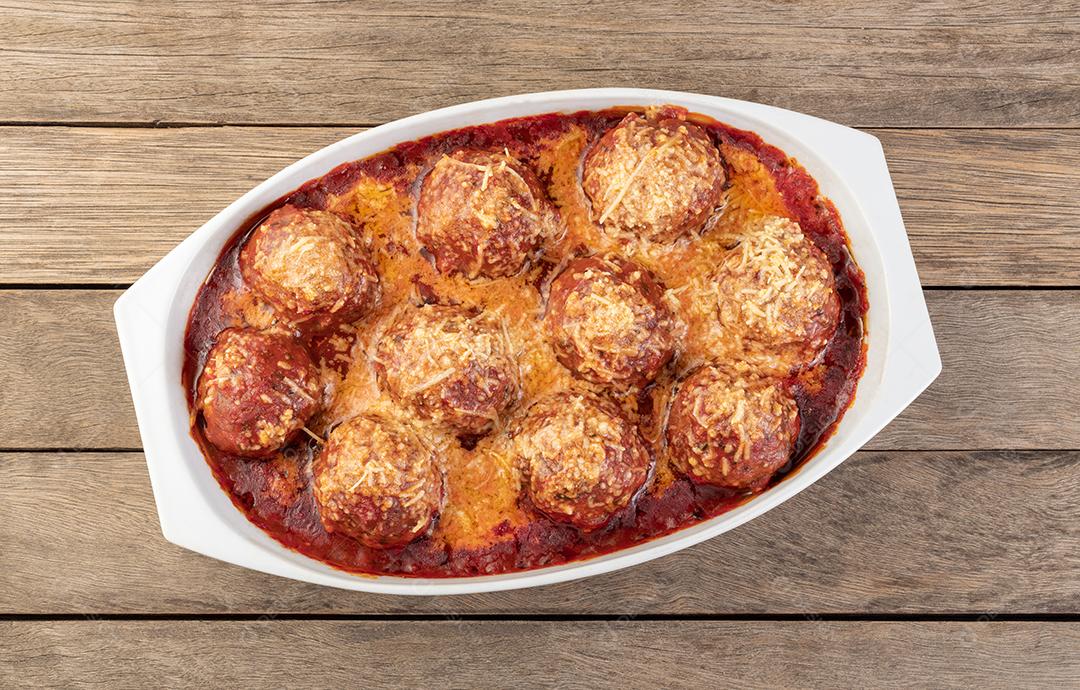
(990, 207)
(573, 655)
(1008, 382)
(886, 532)
(982, 207)
(978, 108)
(64, 381)
(865, 64)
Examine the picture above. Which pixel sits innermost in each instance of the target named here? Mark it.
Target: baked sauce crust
(492, 516)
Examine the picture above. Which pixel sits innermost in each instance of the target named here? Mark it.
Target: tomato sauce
(377, 194)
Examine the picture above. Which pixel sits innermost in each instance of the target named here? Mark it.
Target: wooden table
(947, 551)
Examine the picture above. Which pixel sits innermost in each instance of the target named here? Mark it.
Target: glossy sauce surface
(487, 525)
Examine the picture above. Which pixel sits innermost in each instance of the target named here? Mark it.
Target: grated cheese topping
(377, 482)
(450, 365)
(729, 429)
(656, 178)
(256, 390)
(309, 263)
(582, 460)
(483, 214)
(609, 321)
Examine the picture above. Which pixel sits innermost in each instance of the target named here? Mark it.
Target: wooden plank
(885, 533)
(130, 194)
(983, 207)
(64, 381)
(588, 654)
(989, 207)
(1008, 380)
(874, 63)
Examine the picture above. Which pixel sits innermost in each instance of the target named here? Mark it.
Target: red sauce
(276, 494)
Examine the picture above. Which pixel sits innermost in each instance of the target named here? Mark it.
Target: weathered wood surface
(586, 654)
(875, 63)
(1010, 377)
(886, 533)
(101, 205)
(966, 506)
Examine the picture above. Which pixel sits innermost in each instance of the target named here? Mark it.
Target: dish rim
(850, 168)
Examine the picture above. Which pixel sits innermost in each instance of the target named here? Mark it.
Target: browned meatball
(449, 364)
(376, 482)
(609, 322)
(657, 177)
(256, 390)
(581, 459)
(483, 214)
(731, 431)
(311, 267)
(777, 298)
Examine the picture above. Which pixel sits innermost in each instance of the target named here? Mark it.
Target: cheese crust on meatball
(256, 390)
(609, 322)
(310, 266)
(659, 178)
(376, 482)
(582, 461)
(731, 431)
(452, 365)
(777, 300)
(483, 214)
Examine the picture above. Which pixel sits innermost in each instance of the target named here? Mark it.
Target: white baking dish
(849, 166)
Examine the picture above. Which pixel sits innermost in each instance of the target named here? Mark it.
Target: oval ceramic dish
(850, 168)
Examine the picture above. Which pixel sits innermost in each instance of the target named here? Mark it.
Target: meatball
(452, 365)
(581, 459)
(657, 177)
(730, 431)
(483, 214)
(311, 267)
(609, 323)
(777, 298)
(256, 390)
(376, 482)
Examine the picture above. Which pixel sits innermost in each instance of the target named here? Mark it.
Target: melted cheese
(482, 485)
